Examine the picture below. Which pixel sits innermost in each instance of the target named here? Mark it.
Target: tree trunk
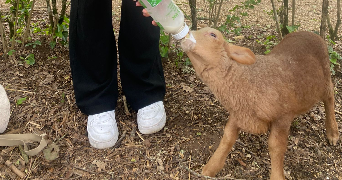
(293, 11)
(28, 23)
(218, 14)
(324, 18)
(192, 4)
(3, 37)
(276, 19)
(50, 15)
(332, 31)
(284, 29)
(61, 17)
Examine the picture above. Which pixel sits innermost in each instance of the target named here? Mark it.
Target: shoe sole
(102, 145)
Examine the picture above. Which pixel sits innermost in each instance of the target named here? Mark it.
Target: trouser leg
(141, 70)
(93, 55)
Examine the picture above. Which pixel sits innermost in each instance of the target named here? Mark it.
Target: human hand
(145, 13)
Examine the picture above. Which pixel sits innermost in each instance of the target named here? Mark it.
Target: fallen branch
(20, 91)
(140, 136)
(125, 106)
(338, 112)
(15, 169)
(118, 143)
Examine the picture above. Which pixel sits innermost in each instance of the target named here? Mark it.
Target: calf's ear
(240, 54)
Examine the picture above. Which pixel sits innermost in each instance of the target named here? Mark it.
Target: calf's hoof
(207, 172)
(332, 138)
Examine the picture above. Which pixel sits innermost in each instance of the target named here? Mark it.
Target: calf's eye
(213, 35)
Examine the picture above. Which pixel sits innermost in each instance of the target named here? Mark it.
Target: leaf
(160, 165)
(292, 28)
(164, 51)
(52, 44)
(187, 88)
(30, 59)
(100, 165)
(164, 39)
(37, 42)
(10, 53)
(21, 100)
(51, 152)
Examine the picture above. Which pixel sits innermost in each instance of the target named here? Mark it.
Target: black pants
(93, 56)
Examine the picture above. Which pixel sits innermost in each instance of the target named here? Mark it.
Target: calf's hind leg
(217, 161)
(330, 121)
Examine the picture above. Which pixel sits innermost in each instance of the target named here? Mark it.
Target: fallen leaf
(160, 166)
(147, 143)
(100, 165)
(296, 140)
(51, 152)
(49, 78)
(187, 88)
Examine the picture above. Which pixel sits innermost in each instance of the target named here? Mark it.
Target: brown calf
(263, 92)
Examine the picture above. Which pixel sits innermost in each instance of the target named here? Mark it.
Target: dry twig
(15, 169)
(125, 106)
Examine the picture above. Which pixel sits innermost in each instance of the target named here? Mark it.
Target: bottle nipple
(182, 33)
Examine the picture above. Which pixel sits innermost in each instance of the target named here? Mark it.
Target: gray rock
(4, 109)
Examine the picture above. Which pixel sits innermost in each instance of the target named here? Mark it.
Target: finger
(137, 3)
(145, 13)
(154, 23)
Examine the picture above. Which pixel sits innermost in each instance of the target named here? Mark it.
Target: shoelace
(152, 107)
(102, 120)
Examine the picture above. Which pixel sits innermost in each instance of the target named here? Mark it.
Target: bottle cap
(183, 32)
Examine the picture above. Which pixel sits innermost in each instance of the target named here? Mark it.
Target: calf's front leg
(217, 161)
(277, 144)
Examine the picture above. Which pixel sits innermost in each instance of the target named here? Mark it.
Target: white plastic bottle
(168, 16)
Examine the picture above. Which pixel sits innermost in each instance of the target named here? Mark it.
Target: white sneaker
(102, 130)
(151, 118)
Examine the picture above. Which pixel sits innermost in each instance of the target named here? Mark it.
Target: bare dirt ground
(195, 120)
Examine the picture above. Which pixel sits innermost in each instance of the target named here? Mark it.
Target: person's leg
(93, 56)
(94, 68)
(141, 70)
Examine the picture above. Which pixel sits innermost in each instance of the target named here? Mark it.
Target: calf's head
(207, 47)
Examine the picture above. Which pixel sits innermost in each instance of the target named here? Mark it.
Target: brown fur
(264, 92)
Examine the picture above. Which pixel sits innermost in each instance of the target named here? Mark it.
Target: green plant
(296, 124)
(11, 52)
(34, 44)
(61, 33)
(52, 57)
(164, 44)
(18, 20)
(59, 23)
(233, 22)
(333, 57)
(269, 43)
(29, 59)
(63, 98)
(21, 100)
(292, 28)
